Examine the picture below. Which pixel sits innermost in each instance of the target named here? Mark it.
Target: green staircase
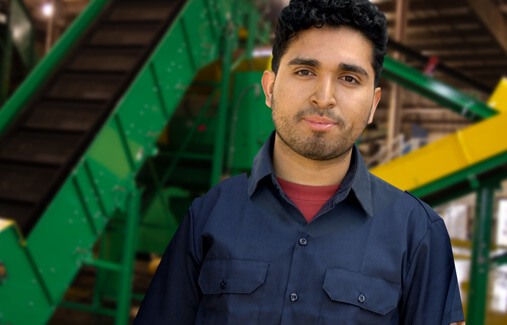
(77, 132)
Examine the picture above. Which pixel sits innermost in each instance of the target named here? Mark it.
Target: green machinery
(126, 120)
(81, 127)
(17, 35)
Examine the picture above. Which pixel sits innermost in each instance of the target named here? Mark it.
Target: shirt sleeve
(174, 295)
(431, 291)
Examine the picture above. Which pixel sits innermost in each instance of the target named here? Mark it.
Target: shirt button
(361, 298)
(223, 284)
(293, 297)
(302, 241)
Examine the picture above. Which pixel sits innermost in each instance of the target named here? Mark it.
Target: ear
(376, 99)
(268, 82)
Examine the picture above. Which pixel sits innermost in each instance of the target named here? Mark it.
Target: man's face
(323, 94)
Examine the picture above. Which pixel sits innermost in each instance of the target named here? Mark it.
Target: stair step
(64, 116)
(25, 183)
(40, 147)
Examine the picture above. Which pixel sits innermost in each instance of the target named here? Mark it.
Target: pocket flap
(373, 294)
(232, 276)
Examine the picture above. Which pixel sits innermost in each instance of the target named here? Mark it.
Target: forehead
(331, 45)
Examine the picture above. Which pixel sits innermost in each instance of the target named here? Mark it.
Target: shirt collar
(262, 165)
(357, 178)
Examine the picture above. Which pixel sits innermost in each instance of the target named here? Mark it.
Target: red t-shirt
(308, 198)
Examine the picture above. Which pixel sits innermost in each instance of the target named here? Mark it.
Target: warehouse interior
(113, 118)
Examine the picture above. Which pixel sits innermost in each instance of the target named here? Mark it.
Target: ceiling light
(47, 9)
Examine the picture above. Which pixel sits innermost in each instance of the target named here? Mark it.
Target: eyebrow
(307, 62)
(352, 68)
(316, 64)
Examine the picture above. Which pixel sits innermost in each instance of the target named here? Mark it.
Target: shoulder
(405, 214)
(414, 223)
(230, 191)
(387, 197)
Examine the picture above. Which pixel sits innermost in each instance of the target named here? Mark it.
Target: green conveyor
(76, 133)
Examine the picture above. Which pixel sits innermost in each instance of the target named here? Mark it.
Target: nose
(324, 94)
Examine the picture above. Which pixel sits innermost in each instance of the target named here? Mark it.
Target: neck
(295, 168)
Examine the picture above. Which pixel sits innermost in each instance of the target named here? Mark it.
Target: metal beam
(411, 53)
(429, 35)
(480, 65)
(438, 22)
(389, 6)
(489, 46)
(448, 57)
(435, 90)
(477, 295)
(493, 19)
(394, 115)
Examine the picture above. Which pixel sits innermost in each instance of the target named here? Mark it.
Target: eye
(350, 79)
(304, 73)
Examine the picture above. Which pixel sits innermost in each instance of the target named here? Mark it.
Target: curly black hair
(358, 14)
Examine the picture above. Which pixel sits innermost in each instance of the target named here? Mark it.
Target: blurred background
(115, 115)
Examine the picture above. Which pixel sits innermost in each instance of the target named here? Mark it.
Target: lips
(319, 123)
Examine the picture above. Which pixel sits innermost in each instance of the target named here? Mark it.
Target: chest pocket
(232, 290)
(355, 298)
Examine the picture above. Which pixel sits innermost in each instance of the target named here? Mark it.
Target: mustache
(322, 113)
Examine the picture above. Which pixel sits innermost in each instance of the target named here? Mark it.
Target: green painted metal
(23, 33)
(165, 208)
(499, 260)
(250, 123)
(248, 128)
(101, 182)
(42, 71)
(219, 150)
(22, 280)
(477, 296)
(189, 135)
(106, 265)
(132, 213)
(467, 175)
(161, 220)
(436, 90)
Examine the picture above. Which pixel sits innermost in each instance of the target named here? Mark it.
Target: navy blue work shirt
(244, 254)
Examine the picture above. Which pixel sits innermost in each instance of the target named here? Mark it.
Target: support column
(129, 251)
(218, 155)
(394, 114)
(479, 268)
(49, 28)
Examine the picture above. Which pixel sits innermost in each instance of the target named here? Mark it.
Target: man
(311, 237)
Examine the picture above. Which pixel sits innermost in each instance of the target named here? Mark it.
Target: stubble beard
(314, 147)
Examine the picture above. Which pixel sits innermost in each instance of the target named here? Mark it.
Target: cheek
(356, 110)
(292, 92)
(358, 102)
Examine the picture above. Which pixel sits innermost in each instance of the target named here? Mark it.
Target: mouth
(319, 123)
